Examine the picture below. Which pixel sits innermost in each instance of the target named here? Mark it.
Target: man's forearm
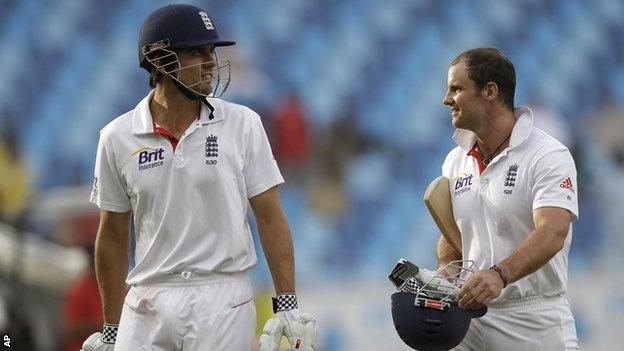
(111, 266)
(445, 252)
(535, 251)
(278, 249)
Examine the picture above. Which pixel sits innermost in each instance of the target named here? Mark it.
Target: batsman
(514, 197)
(184, 166)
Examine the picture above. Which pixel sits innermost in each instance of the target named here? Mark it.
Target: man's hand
(95, 343)
(483, 287)
(299, 328)
(104, 341)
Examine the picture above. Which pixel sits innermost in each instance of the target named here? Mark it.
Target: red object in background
(291, 133)
(84, 228)
(82, 311)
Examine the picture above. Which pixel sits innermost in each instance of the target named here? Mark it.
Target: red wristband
(501, 274)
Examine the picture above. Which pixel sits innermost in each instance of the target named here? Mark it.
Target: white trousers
(215, 313)
(532, 324)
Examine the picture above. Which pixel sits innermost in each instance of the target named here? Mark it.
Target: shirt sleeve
(260, 171)
(446, 167)
(109, 188)
(448, 163)
(555, 182)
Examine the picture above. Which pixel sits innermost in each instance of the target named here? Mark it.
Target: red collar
(158, 130)
(474, 152)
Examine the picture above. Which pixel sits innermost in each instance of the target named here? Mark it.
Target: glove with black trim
(104, 341)
(299, 328)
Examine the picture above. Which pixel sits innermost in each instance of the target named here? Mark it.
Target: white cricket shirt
(494, 209)
(189, 205)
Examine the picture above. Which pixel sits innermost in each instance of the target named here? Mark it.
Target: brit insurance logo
(212, 150)
(463, 183)
(149, 157)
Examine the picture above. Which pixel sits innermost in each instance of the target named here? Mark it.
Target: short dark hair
(155, 75)
(490, 65)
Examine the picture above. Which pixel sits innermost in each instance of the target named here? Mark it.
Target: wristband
(501, 274)
(284, 302)
(109, 335)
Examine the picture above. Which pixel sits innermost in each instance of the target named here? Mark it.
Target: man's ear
(491, 91)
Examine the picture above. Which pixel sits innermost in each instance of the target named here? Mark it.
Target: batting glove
(299, 328)
(104, 341)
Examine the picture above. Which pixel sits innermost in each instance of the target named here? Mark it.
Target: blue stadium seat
(75, 69)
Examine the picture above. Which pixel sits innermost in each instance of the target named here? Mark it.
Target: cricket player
(184, 166)
(514, 196)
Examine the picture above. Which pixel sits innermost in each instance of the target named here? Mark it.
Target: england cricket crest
(510, 178)
(212, 150)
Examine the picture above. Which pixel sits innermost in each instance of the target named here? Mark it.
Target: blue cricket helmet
(174, 27)
(427, 324)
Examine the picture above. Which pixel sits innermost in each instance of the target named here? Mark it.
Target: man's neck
(494, 133)
(172, 110)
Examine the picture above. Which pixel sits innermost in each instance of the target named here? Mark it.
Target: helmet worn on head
(183, 26)
(177, 26)
(425, 311)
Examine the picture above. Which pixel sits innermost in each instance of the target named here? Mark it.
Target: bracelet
(109, 334)
(284, 302)
(501, 274)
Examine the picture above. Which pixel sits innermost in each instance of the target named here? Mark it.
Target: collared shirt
(493, 208)
(189, 201)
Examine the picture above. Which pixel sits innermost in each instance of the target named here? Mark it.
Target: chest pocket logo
(510, 178)
(212, 150)
(149, 158)
(463, 183)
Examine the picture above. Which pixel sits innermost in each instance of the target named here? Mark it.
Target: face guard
(214, 73)
(442, 285)
(425, 311)
(445, 283)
